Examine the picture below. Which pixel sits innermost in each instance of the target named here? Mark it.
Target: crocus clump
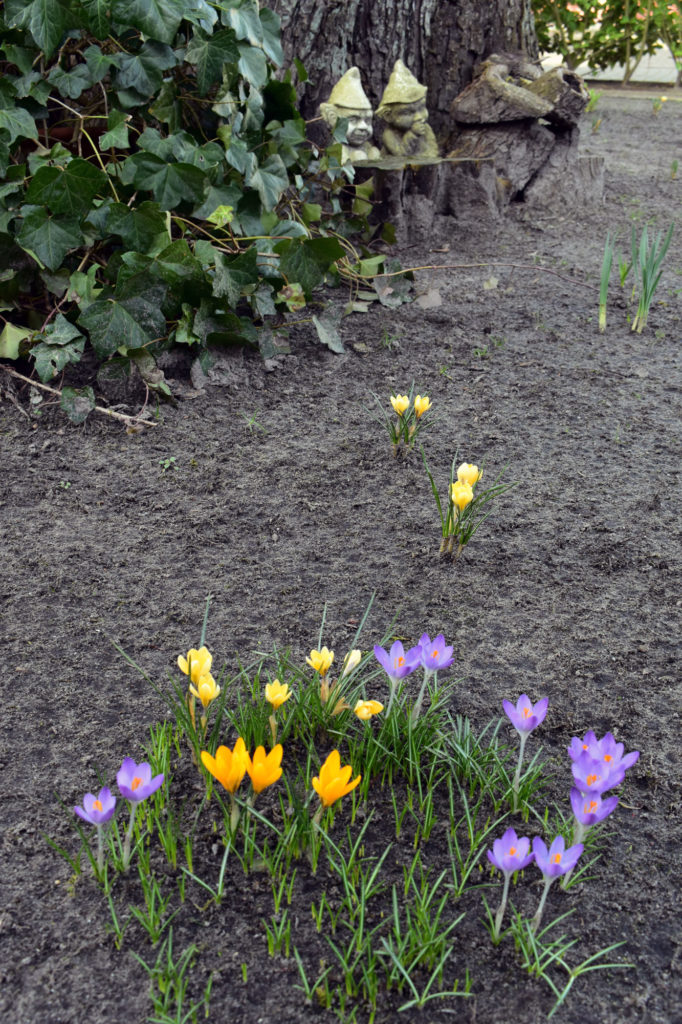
(597, 766)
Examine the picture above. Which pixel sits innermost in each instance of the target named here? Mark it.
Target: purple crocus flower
(435, 655)
(553, 863)
(97, 810)
(577, 746)
(398, 662)
(612, 754)
(591, 809)
(526, 716)
(593, 776)
(135, 780)
(510, 853)
(557, 860)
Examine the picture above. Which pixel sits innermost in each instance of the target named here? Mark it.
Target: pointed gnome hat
(348, 93)
(402, 87)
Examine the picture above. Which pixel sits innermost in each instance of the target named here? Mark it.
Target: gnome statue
(403, 108)
(348, 100)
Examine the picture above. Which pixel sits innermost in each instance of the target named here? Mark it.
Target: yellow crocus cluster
(197, 665)
(462, 490)
(230, 766)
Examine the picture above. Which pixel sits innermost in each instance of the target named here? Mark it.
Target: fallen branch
(130, 421)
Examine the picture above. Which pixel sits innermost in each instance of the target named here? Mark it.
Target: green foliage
(156, 183)
(620, 32)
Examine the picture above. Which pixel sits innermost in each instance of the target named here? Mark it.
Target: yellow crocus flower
(277, 693)
(196, 664)
(422, 405)
(365, 709)
(206, 689)
(228, 766)
(462, 494)
(333, 781)
(469, 474)
(265, 769)
(321, 660)
(400, 404)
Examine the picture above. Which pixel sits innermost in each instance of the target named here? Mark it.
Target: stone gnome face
(348, 100)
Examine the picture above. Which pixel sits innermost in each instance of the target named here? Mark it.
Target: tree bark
(440, 41)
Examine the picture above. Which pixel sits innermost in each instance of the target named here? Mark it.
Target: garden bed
(275, 491)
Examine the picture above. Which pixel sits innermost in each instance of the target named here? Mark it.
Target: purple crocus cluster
(598, 765)
(135, 783)
(431, 655)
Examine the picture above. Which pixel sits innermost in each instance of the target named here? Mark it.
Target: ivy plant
(157, 187)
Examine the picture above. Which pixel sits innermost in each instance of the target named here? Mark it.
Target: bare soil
(283, 496)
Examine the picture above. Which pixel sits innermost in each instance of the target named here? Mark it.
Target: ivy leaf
(70, 190)
(62, 344)
(98, 17)
(235, 277)
(182, 271)
(143, 72)
(307, 260)
(49, 20)
(98, 62)
(328, 333)
(18, 122)
(170, 183)
(116, 136)
(113, 324)
(71, 83)
(209, 54)
(270, 25)
(77, 403)
(49, 237)
(245, 22)
(140, 227)
(158, 19)
(10, 340)
(270, 179)
(253, 65)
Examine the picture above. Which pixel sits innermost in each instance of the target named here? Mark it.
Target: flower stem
(502, 907)
(517, 778)
(535, 923)
(579, 831)
(273, 727)
(416, 710)
(100, 849)
(129, 836)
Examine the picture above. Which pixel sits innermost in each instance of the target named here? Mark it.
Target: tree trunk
(439, 40)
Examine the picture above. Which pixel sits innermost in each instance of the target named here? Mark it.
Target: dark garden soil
(276, 492)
